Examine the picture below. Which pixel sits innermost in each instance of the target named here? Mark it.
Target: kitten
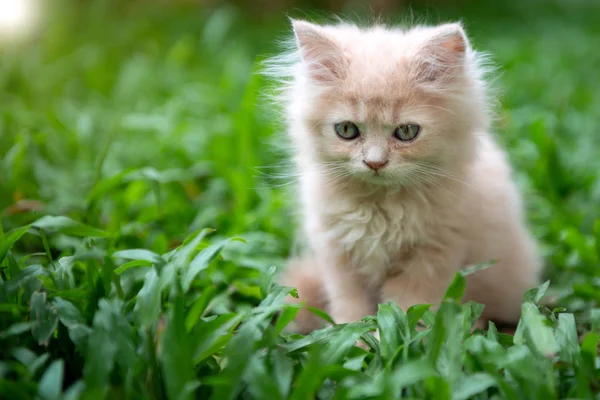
(401, 183)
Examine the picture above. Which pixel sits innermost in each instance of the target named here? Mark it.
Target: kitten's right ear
(324, 58)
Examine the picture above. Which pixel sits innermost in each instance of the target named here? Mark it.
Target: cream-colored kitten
(401, 184)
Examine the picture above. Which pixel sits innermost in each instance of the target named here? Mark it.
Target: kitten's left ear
(451, 38)
(444, 52)
(322, 55)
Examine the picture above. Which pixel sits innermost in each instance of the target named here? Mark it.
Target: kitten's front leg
(349, 298)
(424, 278)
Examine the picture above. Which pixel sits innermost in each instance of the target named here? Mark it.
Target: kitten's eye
(347, 130)
(407, 132)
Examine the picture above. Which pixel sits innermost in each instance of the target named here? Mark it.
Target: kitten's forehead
(378, 71)
(379, 84)
(385, 110)
(379, 46)
(381, 62)
(386, 103)
(372, 39)
(378, 111)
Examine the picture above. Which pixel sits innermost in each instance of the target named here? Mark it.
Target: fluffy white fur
(442, 202)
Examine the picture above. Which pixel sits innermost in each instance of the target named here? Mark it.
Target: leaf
(63, 274)
(471, 313)
(519, 335)
(370, 340)
(238, 353)
(199, 307)
(475, 268)
(74, 392)
(485, 349)
(181, 256)
(72, 319)
(311, 377)
(176, 354)
(392, 324)
(324, 335)
(587, 371)
(99, 364)
(17, 329)
(355, 363)
(201, 262)
(13, 267)
(449, 360)
(13, 236)
(30, 359)
(268, 282)
(44, 317)
(68, 226)
(492, 332)
(283, 367)
(415, 313)
(596, 237)
(340, 345)
(132, 264)
(456, 290)
(535, 295)
(68, 314)
(437, 334)
(541, 336)
(112, 333)
(566, 335)
(79, 334)
(589, 349)
(50, 386)
(24, 355)
(469, 386)
(139, 255)
(595, 317)
(17, 281)
(168, 276)
(287, 316)
(318, 312)
(260, 380)
(212, 335)
(412, 372)
(147, 306)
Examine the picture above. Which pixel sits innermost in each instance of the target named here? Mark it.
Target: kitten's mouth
(379, 173)
(375, 177)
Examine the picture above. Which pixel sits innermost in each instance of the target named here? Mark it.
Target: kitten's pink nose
(376, 165)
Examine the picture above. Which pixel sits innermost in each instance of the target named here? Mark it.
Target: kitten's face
(383, 141)
(386, 107)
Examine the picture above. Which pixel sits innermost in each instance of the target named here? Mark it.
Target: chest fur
(373, 234)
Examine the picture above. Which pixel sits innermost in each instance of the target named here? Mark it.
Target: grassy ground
(124, 134)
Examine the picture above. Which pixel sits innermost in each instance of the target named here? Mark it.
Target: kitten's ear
(443, 53)
(322, 55)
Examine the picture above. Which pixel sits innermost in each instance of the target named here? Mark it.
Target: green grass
(126, 133)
